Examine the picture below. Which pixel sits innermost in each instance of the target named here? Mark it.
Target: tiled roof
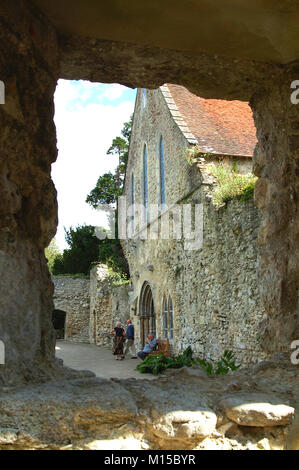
(216, 126)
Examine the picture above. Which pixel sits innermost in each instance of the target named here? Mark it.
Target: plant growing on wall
(231, 184)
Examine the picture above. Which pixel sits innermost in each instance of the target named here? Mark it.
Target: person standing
(130, 345)
(119, 338)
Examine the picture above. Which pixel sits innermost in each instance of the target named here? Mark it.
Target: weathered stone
(90, 413)
(30, 64)
(252, 409)
(214, 289)
(187, 424)
(108, 305)
(71, 295)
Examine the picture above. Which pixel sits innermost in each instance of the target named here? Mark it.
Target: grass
(71, 275)
(231, 185)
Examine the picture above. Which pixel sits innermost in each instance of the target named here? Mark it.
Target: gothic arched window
(165, 318)
(143, 97)
(170, 317)
(145, 182)
(162, 172)
(132, 202)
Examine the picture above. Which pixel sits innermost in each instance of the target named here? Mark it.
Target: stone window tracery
(167, 315)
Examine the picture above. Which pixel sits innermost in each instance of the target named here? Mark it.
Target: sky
(87, 117)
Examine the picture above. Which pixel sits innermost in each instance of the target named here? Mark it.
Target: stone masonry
(214, 289)
(92, 305)
(108, 304)
(71, 294)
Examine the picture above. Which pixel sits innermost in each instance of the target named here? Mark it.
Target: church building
(193, 263)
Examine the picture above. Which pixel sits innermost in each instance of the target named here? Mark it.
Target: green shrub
(159, 363)
(117, 278)
(156, 364)
(226, 364)
(231, 185)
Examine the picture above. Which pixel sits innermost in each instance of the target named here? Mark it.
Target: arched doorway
(58, 320)
(146, 313)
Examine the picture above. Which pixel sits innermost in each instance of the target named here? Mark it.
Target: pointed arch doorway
(146, 313)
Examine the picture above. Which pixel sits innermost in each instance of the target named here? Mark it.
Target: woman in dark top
(118, 343)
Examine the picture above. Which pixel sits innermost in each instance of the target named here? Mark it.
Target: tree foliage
(106, 191)
(51, 253)
(109, 186)
(83, 250)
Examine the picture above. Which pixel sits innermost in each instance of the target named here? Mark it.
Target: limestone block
(256, 409)
(187, 424)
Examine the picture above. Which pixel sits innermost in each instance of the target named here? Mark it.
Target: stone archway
(59, 320)
(39, 52)
(146, 312)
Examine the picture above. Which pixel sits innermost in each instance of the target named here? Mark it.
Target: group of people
(124, 342)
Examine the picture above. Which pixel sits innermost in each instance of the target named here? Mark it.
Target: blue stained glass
(143, 97)
(162, 172)
(145, 182)
(132, 189)
(132, 203)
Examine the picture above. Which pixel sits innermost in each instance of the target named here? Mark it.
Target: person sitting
(150, 344)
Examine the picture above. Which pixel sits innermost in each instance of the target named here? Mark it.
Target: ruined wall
(28, 210)
(71, 294)
(214, 289)
(276, 194)
(108, 304)
(30, 64)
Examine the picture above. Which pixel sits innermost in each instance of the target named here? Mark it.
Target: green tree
(106, 191)
(83, 250)
(51, 253)
(109, 186)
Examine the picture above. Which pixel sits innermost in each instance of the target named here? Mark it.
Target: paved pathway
(99, 360)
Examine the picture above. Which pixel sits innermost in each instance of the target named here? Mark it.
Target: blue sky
(87, 116)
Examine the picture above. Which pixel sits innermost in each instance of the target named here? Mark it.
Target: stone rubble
(182, 409)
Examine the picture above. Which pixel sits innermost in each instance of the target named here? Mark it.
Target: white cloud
(84, 134)
(114, 91)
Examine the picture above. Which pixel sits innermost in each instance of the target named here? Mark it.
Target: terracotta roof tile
(218, 126)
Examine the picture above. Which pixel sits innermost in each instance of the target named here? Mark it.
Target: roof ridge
(176, 115)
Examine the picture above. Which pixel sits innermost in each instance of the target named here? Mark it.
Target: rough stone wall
(276, 194)
(71, 295)
(150, 123)
(108, 304)
(28, 210)
(214, 289)
(30, 64)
